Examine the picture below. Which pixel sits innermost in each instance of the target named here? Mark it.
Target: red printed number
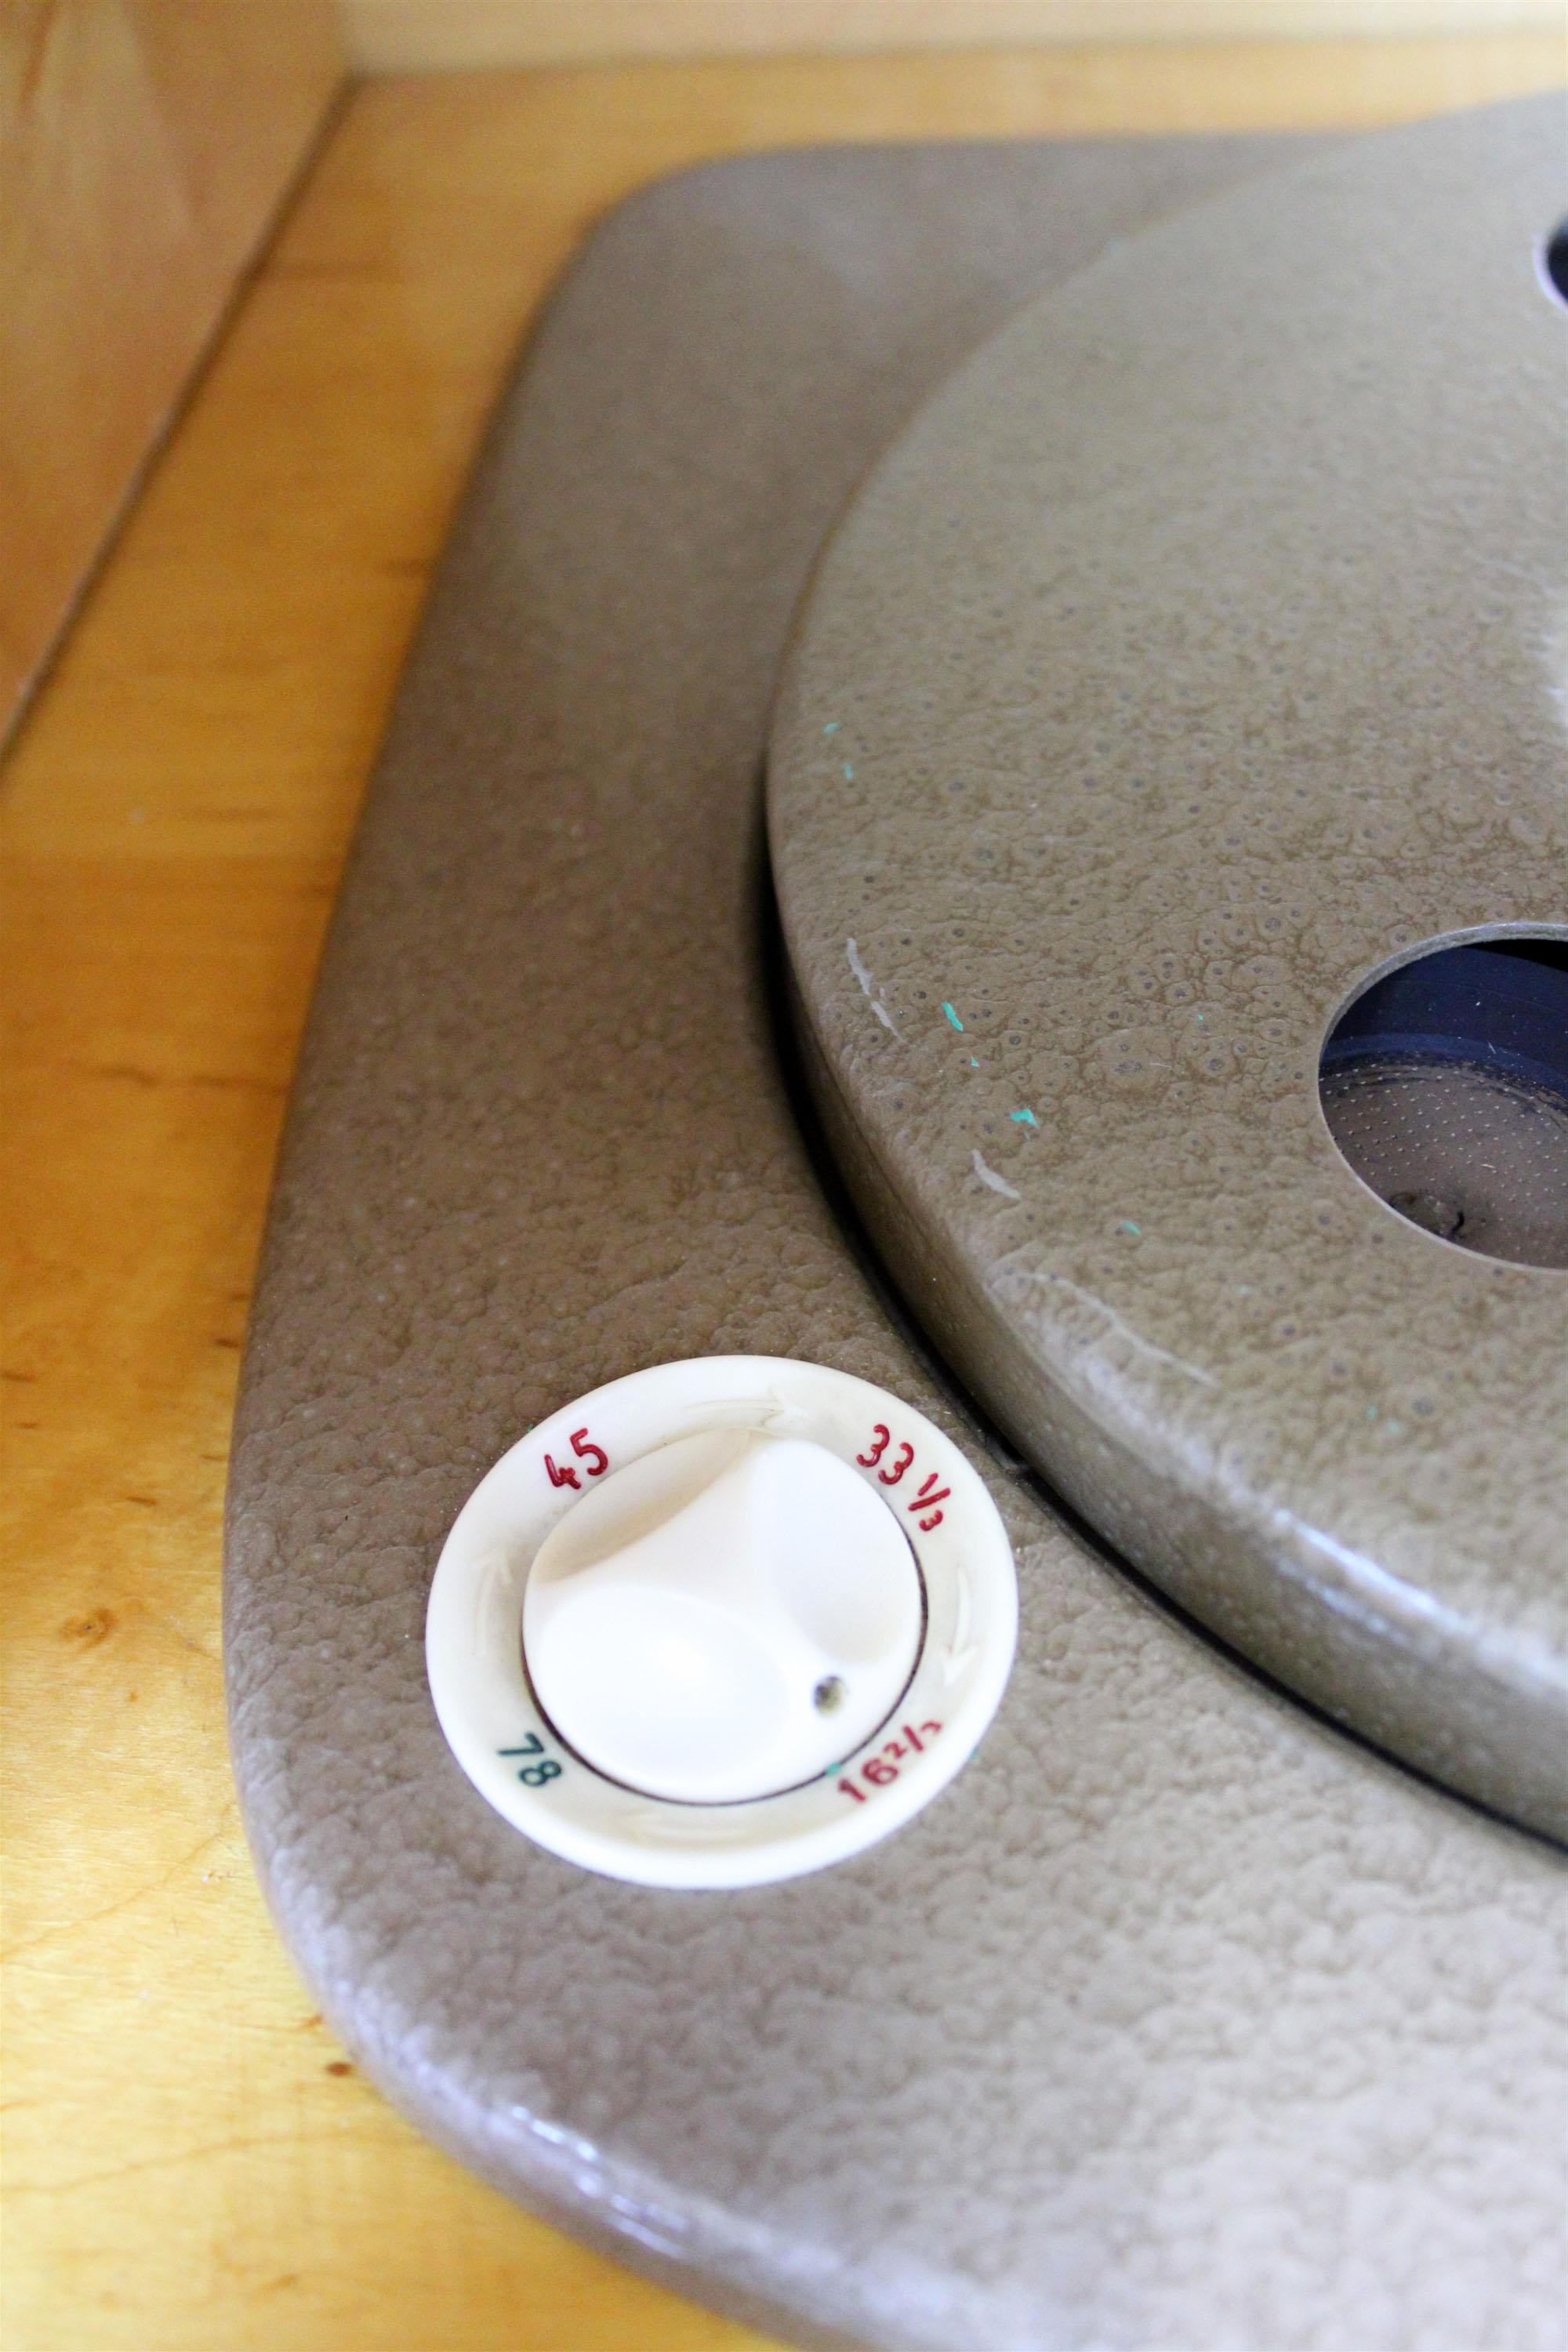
(594, 1457)
(930, 1495)
(905, 1456)
(927, 1501)
(879, 1770)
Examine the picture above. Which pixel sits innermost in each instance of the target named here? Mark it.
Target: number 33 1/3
(928, 1495)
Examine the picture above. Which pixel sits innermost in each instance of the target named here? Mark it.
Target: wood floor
(191, 2166)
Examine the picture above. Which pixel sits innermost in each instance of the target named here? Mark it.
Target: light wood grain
(144, 148)
(190, 2167)
(388, 36)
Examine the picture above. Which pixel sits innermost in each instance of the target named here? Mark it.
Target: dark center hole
(1554, 261)
(1444, 1085)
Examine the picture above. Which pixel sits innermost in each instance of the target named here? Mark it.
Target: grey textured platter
(1181, 2020)
(1194, 657)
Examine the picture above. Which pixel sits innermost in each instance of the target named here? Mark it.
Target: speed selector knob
(724, 1617)
(721, 1621)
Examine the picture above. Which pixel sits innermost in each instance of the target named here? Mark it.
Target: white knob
(725, 1618)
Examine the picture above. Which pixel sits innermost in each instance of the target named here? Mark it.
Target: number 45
(597, 1459)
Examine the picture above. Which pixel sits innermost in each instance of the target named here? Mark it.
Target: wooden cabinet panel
(423, 36)
(144, 148)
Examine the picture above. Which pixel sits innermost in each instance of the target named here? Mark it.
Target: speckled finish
(1179, 2023)
(1196, 653)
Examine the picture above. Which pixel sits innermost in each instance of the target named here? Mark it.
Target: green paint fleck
(1128, 1226)
(1025, 1117)
(831, 728)
(849, 773)
(952, 1017)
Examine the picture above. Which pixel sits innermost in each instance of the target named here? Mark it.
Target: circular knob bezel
(517, 1760)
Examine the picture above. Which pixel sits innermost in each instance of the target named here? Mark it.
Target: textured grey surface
(1196, 653)
(1179, 2021)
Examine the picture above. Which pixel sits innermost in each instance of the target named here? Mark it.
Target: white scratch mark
(1121, 1326)
(1375, 1596)
(989, 1176)
(868, 989)
(1369, 1582)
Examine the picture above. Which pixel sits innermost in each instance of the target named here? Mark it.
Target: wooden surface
(144, 148)
(386, 36)
(192, 2166)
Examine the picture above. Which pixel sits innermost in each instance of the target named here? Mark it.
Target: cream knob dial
(722, 1618)
(721, 1621)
